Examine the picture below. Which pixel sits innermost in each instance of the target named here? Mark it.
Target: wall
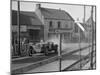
(69, 27)
(38, 13)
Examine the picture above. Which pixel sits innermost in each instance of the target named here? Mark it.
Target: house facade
(90, 32)
(31, 30)
(42, 24)
(30, 26)
(54, 20)
(86, 35)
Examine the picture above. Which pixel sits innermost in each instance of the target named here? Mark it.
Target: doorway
(34, 35)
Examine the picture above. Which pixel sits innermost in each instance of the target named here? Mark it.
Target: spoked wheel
(56, 51)
(46, 52)
(30, 51)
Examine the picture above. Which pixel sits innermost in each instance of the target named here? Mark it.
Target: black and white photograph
(52, 37)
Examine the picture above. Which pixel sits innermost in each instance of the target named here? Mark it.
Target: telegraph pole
(18, 29)
(92, 38)
(60, 47)
(80, 46)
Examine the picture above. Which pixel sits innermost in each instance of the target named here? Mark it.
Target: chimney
(59, 8)
(38, 6)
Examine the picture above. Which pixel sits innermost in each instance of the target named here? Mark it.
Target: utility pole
(79, 43)
(18, 29)
(92, 38)
(84, 14)
(60, 47)
(95, 34)
(80, 46)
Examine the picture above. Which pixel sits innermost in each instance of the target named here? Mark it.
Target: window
(50, 24)
(67, 36)
(59, 24)
(66, 25)
(76, 29)
(71, 24)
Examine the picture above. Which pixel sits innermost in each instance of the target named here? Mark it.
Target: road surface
(53, 66)
(66, 61)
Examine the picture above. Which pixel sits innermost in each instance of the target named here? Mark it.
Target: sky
(76, 11)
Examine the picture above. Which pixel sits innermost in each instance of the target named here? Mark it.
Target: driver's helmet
(30, 43)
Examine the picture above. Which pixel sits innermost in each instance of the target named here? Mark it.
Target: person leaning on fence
(47, 48)
(30, 49)
(43, 48)
(56, 48)
(52, 46)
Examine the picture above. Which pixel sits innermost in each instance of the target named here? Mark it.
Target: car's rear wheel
(46, 52)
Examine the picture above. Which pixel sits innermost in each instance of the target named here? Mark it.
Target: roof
(55, 14)
(89, 21)
(84, 25)
(26, 18)
(80, 26)
(88, 24)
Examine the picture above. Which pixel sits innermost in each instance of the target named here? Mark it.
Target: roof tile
(26, 18)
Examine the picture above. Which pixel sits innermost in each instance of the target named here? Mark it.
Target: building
(79, 34)
(54, 20)
(42, 24)
(31, 29)
(30, 26)
(90, 30)
(86, 35)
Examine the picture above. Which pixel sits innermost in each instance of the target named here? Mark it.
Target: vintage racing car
(45, 47)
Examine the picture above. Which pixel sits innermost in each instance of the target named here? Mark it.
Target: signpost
(60, 47)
